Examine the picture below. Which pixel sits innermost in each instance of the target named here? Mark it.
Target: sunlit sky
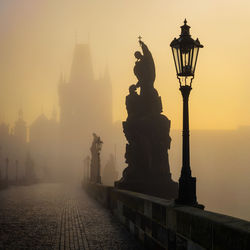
(37, 40)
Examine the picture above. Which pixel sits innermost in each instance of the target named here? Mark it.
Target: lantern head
(185, 52)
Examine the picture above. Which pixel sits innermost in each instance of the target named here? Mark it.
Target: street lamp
(185, 52)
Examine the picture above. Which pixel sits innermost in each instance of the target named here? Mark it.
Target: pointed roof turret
(81, 69)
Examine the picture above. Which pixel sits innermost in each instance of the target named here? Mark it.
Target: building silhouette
(84, 101)
(85, 107)
(58, 146)
(43, 145)
(13, 144)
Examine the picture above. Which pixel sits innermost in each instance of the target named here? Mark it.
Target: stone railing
(159, 224)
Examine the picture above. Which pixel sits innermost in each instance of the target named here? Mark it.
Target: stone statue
(144, 69)
(147, 134)
(133, 102)
(95, 164)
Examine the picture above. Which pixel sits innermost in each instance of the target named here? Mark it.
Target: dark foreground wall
(159, 224)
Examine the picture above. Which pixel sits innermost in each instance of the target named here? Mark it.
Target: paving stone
(58, 216)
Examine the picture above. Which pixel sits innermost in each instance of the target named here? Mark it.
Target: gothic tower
(85, 106)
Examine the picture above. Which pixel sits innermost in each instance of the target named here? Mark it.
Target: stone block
(131, 201)
(146, 224)
(193, 246)
(228, 238)
(129, 213)
(159, 213)
(152, 244)
(181, 243)
(184, 221)
(141, 235)
(201, 231)
(131, 227)
(171, 219)
(148, 208)
(171, 240)
(160, 233)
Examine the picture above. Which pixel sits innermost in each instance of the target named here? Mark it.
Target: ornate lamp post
(185, 52)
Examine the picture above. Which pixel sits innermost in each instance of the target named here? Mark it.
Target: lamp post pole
(99, 148)
(187, 183)
(186, 171)
(185, 52)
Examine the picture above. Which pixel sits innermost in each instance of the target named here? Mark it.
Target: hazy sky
(37, 40)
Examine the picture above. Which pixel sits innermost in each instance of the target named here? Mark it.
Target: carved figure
(133, 103)
(147, 133)
(95, 159)
(144, 69)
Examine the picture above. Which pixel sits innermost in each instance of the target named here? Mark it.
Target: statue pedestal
(160, 186)
(148, 169)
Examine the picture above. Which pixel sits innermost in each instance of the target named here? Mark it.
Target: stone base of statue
(147, 133)
(155, 185)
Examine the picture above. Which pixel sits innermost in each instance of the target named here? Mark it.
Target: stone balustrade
(160, 224)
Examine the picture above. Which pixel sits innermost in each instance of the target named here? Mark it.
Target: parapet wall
(160, 224)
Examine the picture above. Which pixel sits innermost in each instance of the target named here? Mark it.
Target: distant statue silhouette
(96, 144)
(144, 69)
(95, 159)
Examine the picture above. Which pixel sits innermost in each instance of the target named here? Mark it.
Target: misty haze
(67, 132)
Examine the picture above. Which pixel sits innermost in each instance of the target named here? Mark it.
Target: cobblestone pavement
(58, 216)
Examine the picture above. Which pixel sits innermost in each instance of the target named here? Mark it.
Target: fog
(65, 69)
(220, 161)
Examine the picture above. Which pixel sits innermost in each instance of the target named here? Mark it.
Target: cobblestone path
(58, 216)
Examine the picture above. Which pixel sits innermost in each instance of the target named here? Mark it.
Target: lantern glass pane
(176, 59)
(194, 60)
(179, 61)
